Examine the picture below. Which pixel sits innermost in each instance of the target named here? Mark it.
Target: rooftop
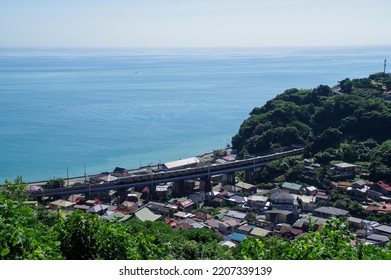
(331, 211)
(291, 186)
(181, 163)
(260, 232)
(238, 237)
(344, 165)
(144, 214)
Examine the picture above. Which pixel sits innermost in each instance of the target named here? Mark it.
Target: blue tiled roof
(238, 237)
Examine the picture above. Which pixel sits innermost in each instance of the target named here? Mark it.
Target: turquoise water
(105, 108)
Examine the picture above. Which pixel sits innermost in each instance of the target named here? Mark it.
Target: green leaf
(5, 252)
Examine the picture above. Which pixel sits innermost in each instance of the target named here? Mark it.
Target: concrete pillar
(179, 189)
(248, 175)
(229, 179)
(206, 184)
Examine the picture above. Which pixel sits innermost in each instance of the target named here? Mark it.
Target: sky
(194, 23)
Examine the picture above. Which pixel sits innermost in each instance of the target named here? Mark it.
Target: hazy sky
(194, 23)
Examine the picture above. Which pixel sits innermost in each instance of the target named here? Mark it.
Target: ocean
(70, 109)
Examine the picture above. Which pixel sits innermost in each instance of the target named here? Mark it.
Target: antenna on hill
(385, 65)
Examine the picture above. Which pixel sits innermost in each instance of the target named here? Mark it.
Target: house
(257, 202)
(260, 232)
(328, 212)
(160, 209)
(112, 216)
(213, 223)
(181, 164)
(144, 214)
(311, 190)
(245, 229)
(180, 215)
(228, 243)
(218, 202)
(358, 190)
(344, 169)
(186, 205)
(92, 202)
(382, 187)
(77, 198)
(307, 203)
(230, 189)
(191, 222)
(293, 188)
(355, 222)
(237, 237)
(375, 195)
(289, 233)
(201, 215)
(228, 226)
(198, 197)
(236, 215)
(128, 206)
(377, 239)
(281, 216)
(282, 200)
(236, 200)
(383, 229)
(246, 187)
(99, 209)
(381, 208)
(310, 221)
(163, 191)
(321, 196)
(81, 207)
(63, 204)
(260, 221)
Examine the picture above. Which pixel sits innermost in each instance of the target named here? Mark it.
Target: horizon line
(201, 47)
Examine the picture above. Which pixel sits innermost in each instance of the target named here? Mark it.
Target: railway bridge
(203, 172)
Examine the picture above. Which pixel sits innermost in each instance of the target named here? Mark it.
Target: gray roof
(281, 195)
(291, 186)
(332, 211)
(236, 214)
(97, 208)
(384, 228)
(378, 238)
(355, 220)
(144, 214)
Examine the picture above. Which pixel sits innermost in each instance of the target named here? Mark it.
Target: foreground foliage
(27, 233)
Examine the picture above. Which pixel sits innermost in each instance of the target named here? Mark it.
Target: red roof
(384, 207)
(384, 185)
(186, 203)
(145, 190)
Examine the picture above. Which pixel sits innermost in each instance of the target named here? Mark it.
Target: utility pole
(85, 173)
(385, 65)
(67, 177)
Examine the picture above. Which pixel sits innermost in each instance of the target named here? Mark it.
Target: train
(165, 176)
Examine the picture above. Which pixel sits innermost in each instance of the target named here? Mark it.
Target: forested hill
(350, 122)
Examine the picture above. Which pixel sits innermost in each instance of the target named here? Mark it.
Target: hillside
(350, 122)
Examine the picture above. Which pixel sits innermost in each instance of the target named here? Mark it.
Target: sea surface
(70, 109)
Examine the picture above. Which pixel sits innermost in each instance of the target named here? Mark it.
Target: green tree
(23, 236)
